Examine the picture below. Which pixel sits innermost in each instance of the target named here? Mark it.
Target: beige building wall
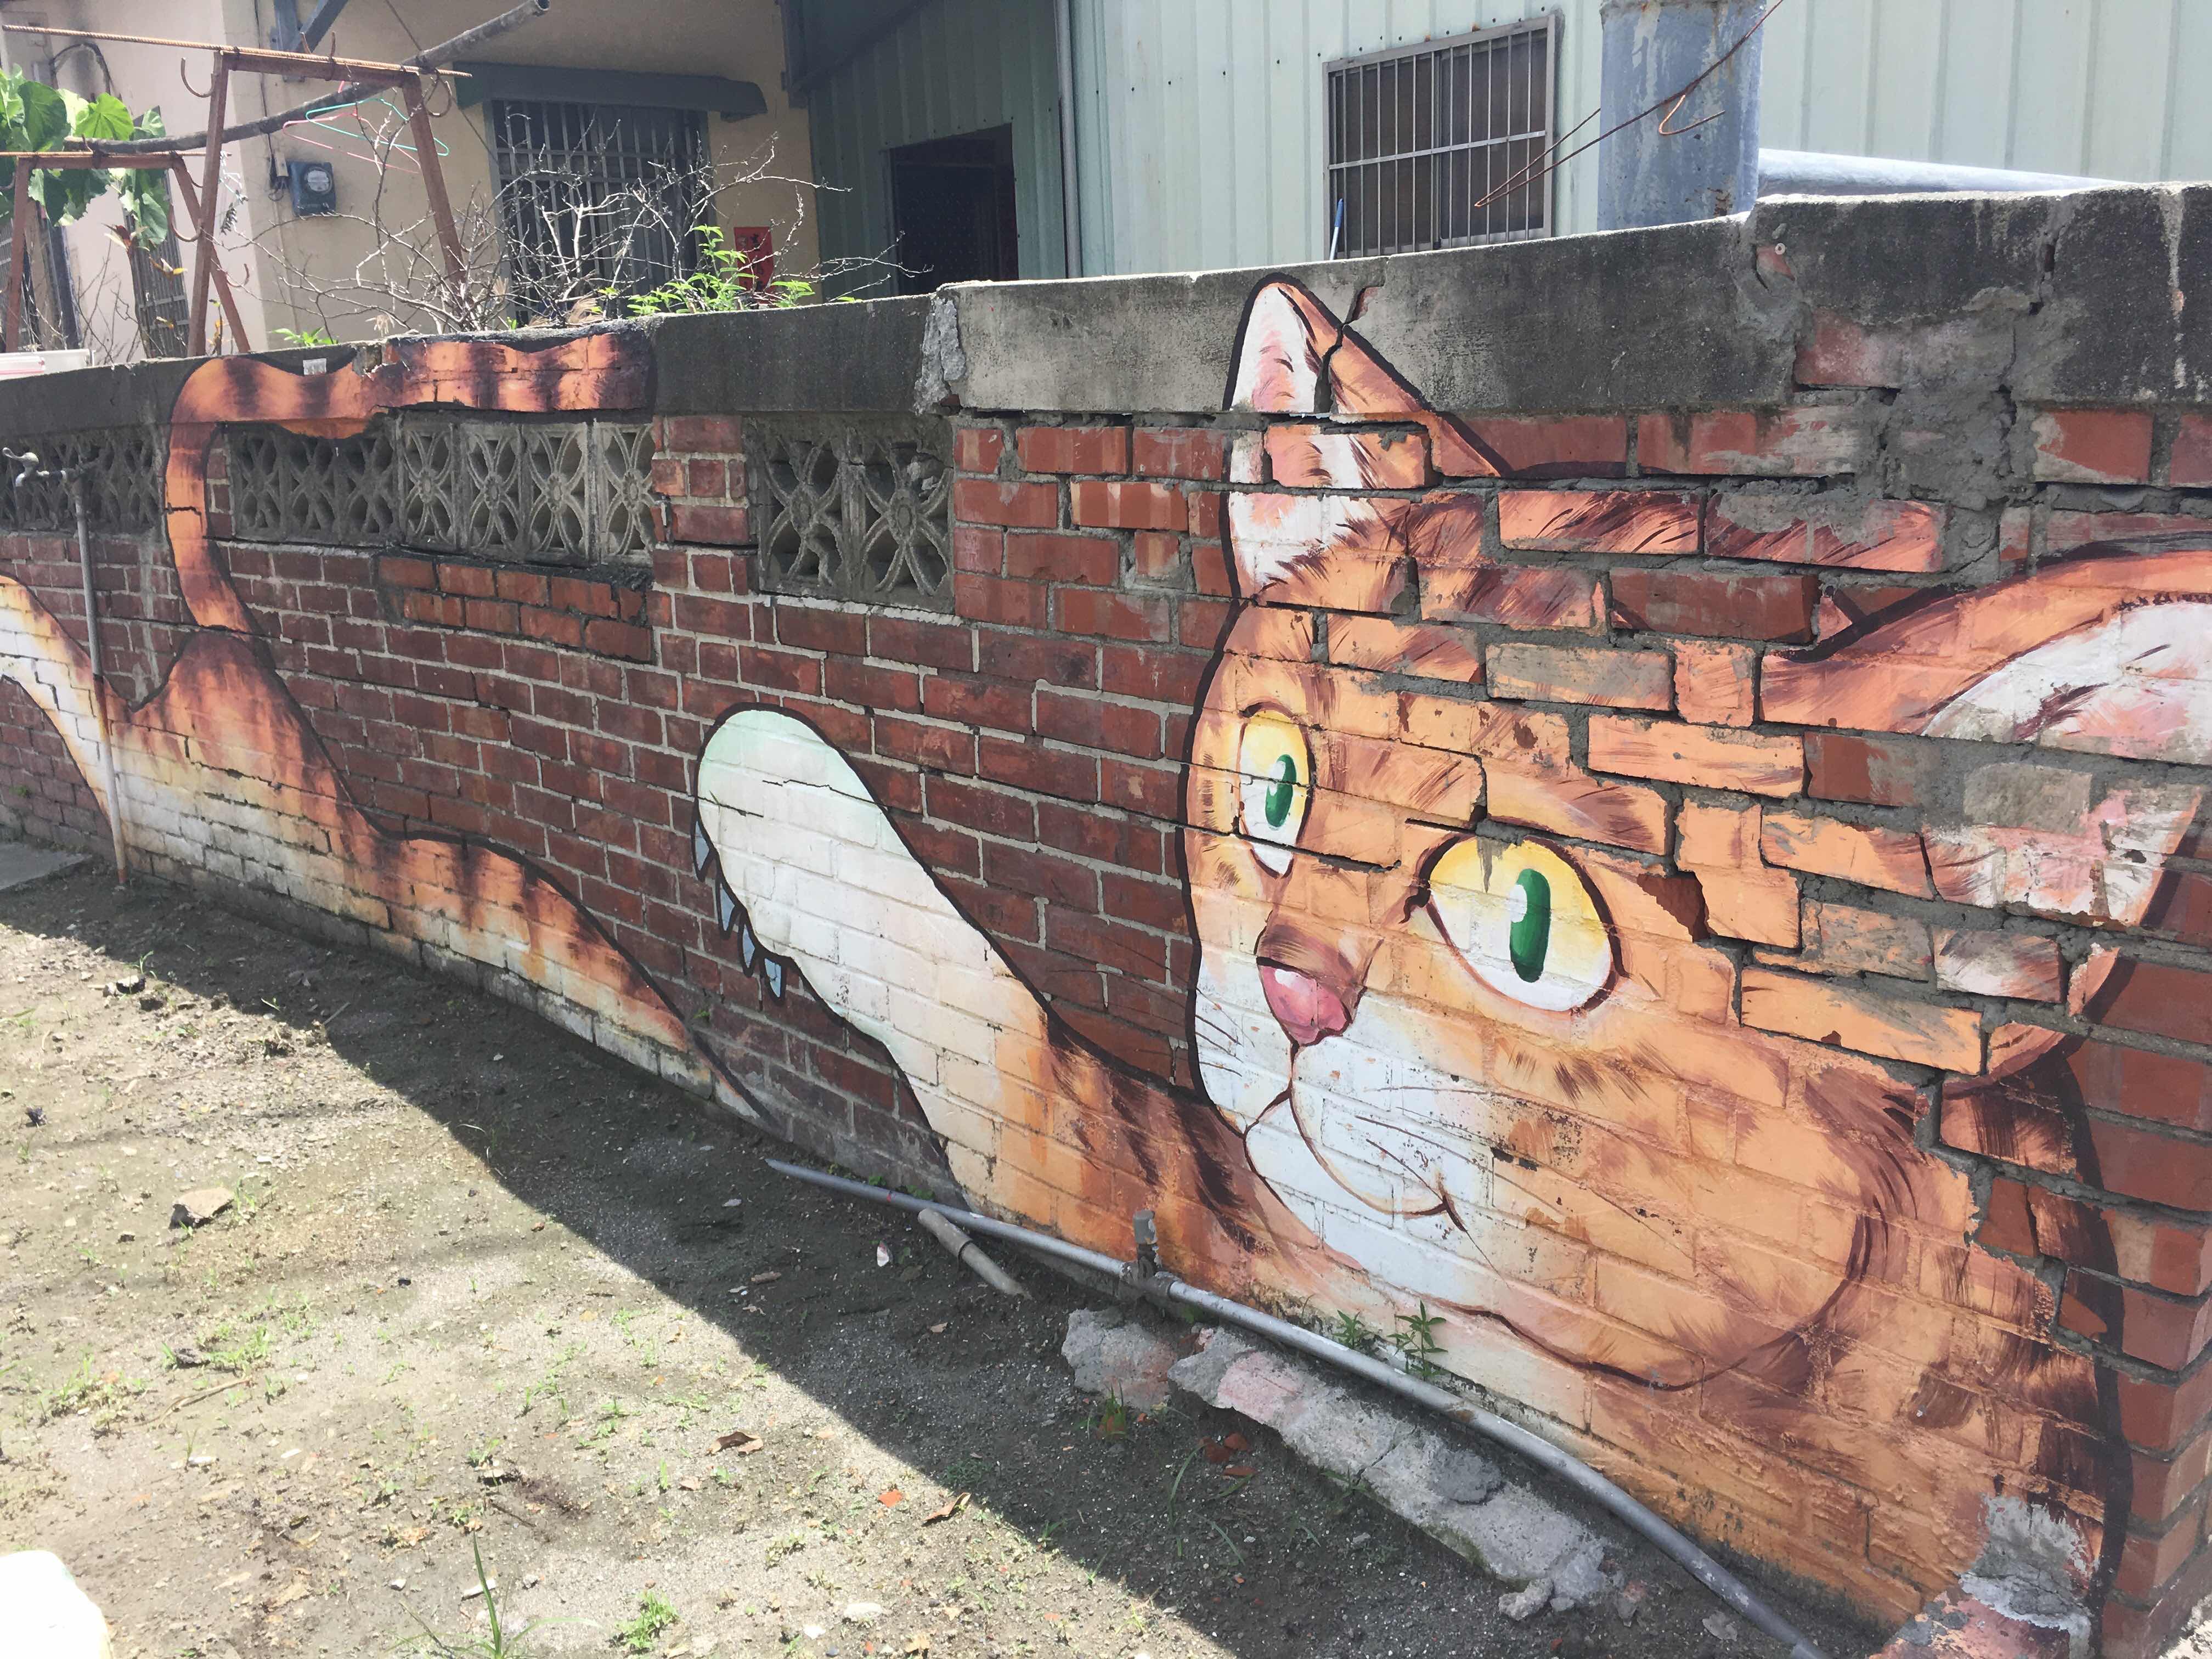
(327, 272)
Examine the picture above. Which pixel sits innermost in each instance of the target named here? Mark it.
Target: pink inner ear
(1286, 335)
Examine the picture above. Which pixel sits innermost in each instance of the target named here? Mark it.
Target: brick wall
(1697, 622)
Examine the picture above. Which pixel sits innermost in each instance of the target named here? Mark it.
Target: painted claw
(725, 904)
(745, 944)
(701, 848)
(774, 969)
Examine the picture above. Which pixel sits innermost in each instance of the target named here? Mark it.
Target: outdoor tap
(30, 467)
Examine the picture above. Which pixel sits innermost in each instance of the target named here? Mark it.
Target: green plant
(1352, 1332)
(654, 1616)
(724, 281)
(1417, 1343)
(312, 337)
(34, 116)
(1109, 1418)
(496, 1643)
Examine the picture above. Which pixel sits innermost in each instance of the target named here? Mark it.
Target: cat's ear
(2096, 656)
(1295, 357)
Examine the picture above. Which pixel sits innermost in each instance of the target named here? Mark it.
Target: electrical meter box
(314, 187)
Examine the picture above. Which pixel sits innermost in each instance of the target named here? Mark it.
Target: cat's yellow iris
(1274, 775)
(1524, 920)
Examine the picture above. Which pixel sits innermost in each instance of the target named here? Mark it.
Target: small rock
(150, 1003)
(1466, 1477)
(1580, 1578)
(1722, 1628)
(34, 1115)
(862, 1612)
(495, 1473)
(130, 987)
(199, 1206)
(1525, 1603)
(126, 1238)
(1113, 1354)
(1628, 1602)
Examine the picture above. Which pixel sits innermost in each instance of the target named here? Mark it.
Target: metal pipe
(75, 478)
(1166, 1288)
(1071, 212)
(1814, 173)
(969, 1254)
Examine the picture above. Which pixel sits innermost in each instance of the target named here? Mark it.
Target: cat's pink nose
(1304, 1007)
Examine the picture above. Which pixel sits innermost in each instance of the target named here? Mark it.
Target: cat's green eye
(1523, 920)
(1530, 935)
(1274, 776)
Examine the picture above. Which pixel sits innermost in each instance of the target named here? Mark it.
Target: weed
(1354, 1333)
(1109, 1419)
(496, 1643)
(1417, 1343)
(790, 1544)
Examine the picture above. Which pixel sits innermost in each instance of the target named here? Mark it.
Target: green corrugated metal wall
(952, 67)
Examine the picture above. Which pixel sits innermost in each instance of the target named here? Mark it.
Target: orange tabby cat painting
(1536, 958)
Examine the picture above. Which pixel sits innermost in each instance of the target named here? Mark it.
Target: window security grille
(1420, 138)
(594, 197)
(157, 290)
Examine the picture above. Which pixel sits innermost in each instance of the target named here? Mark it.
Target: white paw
(811, 875)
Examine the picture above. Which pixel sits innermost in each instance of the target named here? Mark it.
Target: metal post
(18, 241)
(1696, 160)
(189, 194)
(203, 255)
(433, 185)
(74, 478)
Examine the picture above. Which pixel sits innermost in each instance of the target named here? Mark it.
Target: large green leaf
(106, 117)
(46, 115)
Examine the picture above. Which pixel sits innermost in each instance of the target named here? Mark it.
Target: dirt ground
(483, 1289)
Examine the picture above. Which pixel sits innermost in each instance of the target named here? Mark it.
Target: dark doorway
(952, 210)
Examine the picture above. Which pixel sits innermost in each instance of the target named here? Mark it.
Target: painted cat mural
(221, 759)
(1466, 1038)
(1464, 1042)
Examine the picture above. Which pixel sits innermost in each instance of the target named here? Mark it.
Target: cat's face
(1473, 1027)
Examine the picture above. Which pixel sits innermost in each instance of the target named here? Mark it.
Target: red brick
(1571, 447)
(493, 615)
(1104, 503)
(1032, 766)
(977, 449)
(1869, 1021)
(668, 477)
(1844, 938)
(981, 500)
(707, 480)
(1880, 535)
(471, 581)
(1314, 457)
(1711, 757)
(2159, 1000)
(1992, 964)
(870, 685)
(2193, 452)
(438, 610)
(573, 594)
(929, 645)
(554, 626)
(1093, 449)
(1166, 676)
(1872, 771)
(1061, 558)
(695, 434)
(1196, 453)
(977, 548)
(2092, 446)
(2159, 1330)
(1584, 674)
(810, 628)
(1600, 520)
(1715, 603)
(618, 639)
(523, 587)
(396, 570)
(1155, 556)
(710, 523)
(1870, 854)
(1803, 442)
(977, 702)
(939, 748)
(1715, 684)
(993, 811)
(1091, 720)
(993, 599)
(1082, 611)
(1041, 875)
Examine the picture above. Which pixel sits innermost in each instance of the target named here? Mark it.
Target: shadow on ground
(1132, 1545)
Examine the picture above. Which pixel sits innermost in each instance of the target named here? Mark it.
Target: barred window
(157, 292)
(1442, 143)
(596, 197)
